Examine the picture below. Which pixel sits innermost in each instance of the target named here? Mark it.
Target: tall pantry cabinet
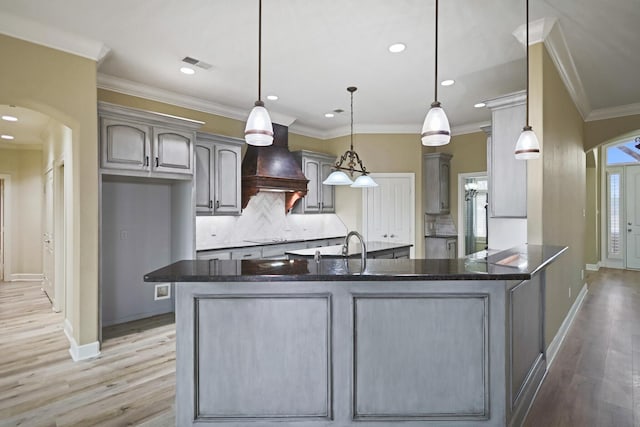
(147, 208)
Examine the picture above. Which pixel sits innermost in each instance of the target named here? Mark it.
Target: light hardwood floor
(131, 383)
(595, 380)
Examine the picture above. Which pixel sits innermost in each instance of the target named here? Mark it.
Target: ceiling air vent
(196, 62)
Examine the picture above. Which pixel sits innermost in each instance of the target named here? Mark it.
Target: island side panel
(527, 359)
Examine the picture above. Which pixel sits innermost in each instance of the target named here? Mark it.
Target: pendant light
(259, 130)
(338, 177)
(436, 130)
(527, 147)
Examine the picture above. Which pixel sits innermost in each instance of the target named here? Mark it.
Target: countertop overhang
(519, 263)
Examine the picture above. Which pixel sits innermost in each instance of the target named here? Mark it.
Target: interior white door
(48, 277)
(632, 196)
(389, 209)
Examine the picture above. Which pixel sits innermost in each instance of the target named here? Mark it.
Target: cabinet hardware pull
(246, 255)
(384, 235)
(210, 204)
(157, 162)
(392, 236)
(146, 161)
(217, 204)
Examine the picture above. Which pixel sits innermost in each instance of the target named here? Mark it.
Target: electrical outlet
(124, 234)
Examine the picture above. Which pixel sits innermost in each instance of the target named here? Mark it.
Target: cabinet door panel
(204, 184)
(312, 172)
(227, 180)
(507, 175)
(173, 151)
(328, 191)
(444, 186)
(125, 145)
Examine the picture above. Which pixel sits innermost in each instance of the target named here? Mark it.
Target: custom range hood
(273, 168)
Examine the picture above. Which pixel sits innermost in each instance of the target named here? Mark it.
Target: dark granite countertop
(518, 263)
(355, 249)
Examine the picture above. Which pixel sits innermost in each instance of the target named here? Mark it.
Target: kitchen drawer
(249, 253)
(208, 255)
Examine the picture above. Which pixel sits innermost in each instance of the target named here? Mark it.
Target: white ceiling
(27, 131)
(313, 50)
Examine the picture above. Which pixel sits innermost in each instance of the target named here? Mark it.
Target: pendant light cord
(351, 120)
(527, 47)
(435, 89)
(259, 50)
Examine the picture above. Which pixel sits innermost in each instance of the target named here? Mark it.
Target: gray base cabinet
(316, 167)
(218, 175)
(358, 353)
(441, 248)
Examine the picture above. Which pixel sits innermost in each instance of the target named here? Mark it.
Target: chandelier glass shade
(353, 164)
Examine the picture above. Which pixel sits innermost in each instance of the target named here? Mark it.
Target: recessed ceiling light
(272, 97)
(480, 105)
(397, 47)
(329, 115)
(447, 82)
(187, 70)
(10, 118)
(6, 136)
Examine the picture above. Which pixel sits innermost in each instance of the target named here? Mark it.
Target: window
(624, 153)
(613, 219)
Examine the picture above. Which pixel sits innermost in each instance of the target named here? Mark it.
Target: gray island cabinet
(392, 342)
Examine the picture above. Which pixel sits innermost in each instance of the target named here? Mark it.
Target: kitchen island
(340, 342)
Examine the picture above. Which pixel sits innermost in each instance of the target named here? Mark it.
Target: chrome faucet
(345, 246)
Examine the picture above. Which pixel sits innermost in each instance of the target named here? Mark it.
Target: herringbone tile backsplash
(264, 218)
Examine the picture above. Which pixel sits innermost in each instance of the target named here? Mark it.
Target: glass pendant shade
(337, 178)
(527, 147)
(364, 181)
(259, 130)
(436, 130)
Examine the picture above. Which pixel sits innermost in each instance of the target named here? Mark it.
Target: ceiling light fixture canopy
(528, 146)
(436, 130)
(354, 164)
(259, 130)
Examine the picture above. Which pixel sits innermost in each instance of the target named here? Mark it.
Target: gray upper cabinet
(218, 175)
(316, 167)
(173, 151)
(125, 145)
(436, 170)
(140, 143)
(507, 175)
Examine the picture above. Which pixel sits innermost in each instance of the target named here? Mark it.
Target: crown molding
(613, 112)
(141, 90)
(508, 100)
(469, 128)
(549, 32)
(35, 32)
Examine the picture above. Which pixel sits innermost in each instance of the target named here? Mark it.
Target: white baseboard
(80, 352)
(25, 277)
(593, 267)
(554, 347)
